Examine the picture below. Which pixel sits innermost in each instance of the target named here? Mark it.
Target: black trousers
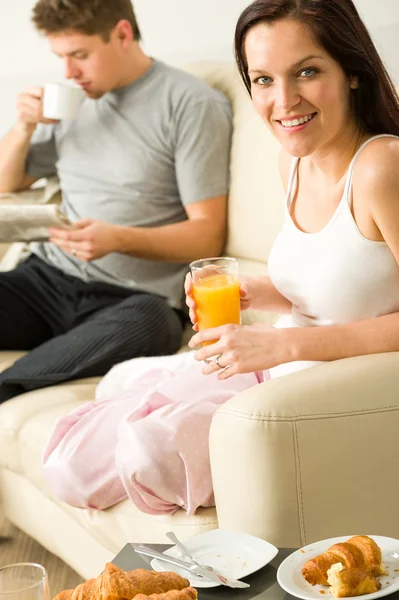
(75, 329)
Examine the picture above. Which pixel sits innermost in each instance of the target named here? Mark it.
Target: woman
(317, 81)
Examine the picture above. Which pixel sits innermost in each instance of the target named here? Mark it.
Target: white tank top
(333, 276)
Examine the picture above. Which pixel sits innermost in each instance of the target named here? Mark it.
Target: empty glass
(24, 581)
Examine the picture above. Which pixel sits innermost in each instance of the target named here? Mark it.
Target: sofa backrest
(256, 201)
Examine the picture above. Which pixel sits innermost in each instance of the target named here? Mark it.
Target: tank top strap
(348, 184)
(292, 178)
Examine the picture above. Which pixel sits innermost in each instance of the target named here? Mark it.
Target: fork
(173, 538)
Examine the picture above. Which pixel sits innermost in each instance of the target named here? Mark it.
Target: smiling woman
(319, 85)
(338, 34)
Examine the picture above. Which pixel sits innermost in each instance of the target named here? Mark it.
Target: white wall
(176, 31)
(206, 27)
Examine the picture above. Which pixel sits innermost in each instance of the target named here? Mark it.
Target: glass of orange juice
(216, 291)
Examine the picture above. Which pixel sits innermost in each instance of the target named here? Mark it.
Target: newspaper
(30, 222)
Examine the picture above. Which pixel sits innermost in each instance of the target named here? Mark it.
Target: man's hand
(30, 109)
(91, 239)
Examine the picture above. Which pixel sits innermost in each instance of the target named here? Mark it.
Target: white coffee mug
(61, 101)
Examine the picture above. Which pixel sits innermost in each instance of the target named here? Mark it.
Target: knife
(194, 569)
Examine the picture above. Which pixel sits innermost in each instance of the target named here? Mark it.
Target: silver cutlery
(173, 538)
(196, 569)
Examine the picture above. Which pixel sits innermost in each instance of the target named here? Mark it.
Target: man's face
(89, 61)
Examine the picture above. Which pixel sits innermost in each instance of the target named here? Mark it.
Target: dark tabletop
(263, 583)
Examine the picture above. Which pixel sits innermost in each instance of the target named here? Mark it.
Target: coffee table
(263, 583)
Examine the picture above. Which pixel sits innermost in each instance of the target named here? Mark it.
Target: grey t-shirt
(136, 157)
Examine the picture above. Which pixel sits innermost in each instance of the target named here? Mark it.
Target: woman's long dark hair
(337, 26)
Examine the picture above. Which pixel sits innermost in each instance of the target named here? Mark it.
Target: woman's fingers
(188, 288)
(190, 302)
(222, 365)
(188, 284)
(211, 335)
(193, 317)
(193, 309)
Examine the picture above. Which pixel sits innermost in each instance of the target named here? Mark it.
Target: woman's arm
(261, 347)
(371, 336)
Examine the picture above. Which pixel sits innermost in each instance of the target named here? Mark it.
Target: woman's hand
(242, 348)
(248, 289)
(188, 289)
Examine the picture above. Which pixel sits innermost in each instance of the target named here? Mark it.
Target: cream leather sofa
(306, 457)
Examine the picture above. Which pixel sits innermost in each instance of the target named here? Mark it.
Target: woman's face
(300, 92)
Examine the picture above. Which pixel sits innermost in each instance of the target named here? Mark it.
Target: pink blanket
(149, 441)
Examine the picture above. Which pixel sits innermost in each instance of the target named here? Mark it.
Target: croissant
(357, 552)
(189, 593)
(351, 582)
(371, 553)
(116, 584)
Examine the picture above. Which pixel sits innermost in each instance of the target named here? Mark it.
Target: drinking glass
(24, 581)
(216, 291)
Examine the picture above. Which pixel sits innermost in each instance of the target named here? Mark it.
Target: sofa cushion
(87, 539)
(27, 422)
(16, 413)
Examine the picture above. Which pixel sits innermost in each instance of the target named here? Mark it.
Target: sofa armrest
(311, 455)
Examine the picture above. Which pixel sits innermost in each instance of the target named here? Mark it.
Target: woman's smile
(294, 124)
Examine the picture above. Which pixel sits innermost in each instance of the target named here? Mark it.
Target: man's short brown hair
(91, 17)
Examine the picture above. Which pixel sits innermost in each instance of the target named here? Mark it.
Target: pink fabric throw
(148, 442)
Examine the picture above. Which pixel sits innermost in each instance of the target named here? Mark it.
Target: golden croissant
(359, 551)
(188, 593)
(351, 582)
(116, 584)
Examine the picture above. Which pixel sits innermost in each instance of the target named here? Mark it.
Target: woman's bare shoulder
(376, 185)
(377, 165)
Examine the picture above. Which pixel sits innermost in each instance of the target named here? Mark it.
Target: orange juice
(218, 300)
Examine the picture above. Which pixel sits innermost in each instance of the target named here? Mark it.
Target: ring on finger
(212, 359)
(74, 251)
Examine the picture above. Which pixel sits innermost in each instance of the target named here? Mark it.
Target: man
(143, 172)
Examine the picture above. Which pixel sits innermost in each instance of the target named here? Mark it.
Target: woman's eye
(307, 72)
(263, 80)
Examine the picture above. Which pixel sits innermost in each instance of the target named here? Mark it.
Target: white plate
(291, 580)
(228, 552)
